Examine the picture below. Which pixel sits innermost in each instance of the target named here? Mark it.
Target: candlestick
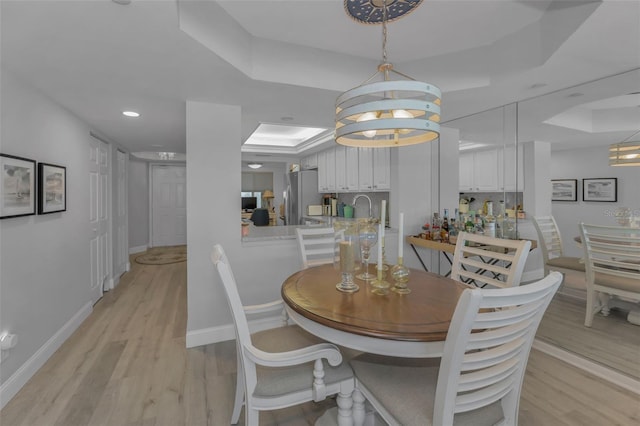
(383, 216)
(401, 235)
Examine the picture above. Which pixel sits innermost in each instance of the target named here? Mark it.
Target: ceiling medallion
(371, 11)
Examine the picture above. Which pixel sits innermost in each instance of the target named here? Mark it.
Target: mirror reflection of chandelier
(385, 112)
(625, 153)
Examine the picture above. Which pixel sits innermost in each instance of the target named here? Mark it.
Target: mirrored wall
(513, 153)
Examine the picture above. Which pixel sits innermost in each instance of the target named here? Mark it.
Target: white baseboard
(598, 370)
(138, 249)
(222, 333)
(22, 375)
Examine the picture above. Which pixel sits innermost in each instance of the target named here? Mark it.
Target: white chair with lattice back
(483, 260)
(318, 246)
(553, 256)
(283, 366)
(612, 257)
(479, 378)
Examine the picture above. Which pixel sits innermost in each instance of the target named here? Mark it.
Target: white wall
(590, 163)
(44, 273)
(138, 204)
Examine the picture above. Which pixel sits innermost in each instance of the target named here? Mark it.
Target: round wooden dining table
(410, 325)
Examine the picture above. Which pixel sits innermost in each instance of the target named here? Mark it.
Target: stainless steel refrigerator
(302, 191)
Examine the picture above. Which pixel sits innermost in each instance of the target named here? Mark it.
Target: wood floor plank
(611, 341)
(127, 365)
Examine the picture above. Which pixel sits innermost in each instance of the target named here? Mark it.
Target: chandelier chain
(384, 31)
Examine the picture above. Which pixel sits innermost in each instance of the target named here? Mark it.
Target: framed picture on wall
(600, 189)
(17, 186)
(564, 190)
(52, 188)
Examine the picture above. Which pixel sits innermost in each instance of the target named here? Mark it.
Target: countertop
(288, 232)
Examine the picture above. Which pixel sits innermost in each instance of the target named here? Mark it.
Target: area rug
(163, 255)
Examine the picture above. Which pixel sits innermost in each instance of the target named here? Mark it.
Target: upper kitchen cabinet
(374, 169)
(346, 168)
(327, 171)
(479, 171)
(511, 170)
(309, 162)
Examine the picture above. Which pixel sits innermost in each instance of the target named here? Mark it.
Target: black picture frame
(52, 188)
(604, 190)
(564, 189)
(17, 186)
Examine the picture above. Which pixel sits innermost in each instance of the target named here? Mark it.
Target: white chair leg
(604, 298)
(239, 398)
(251, 416)
(345, 408)
(358, 407)
(588, 318)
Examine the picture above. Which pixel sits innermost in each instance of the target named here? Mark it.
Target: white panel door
(121, 219)
(99, 242)
(169, 205)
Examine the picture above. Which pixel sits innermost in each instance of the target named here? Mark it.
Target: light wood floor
(611, 341)
(127, 365)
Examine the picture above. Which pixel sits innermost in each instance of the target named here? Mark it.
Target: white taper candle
(400, 235)
(380, 267)
(383, 219)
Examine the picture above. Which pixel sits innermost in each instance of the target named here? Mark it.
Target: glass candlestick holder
(400, 276)
(347, 267)
(368, 236)
(379, 285)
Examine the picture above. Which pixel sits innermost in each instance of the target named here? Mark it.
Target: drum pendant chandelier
(386, 113)
(625, 153)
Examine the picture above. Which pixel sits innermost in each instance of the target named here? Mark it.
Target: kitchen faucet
(365, 196)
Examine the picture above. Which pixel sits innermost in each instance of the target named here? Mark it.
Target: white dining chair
(482, 260)
(612, 257)
(479, 378)
(550, 243)
(281, 367)
(555, 259)
(317, 246)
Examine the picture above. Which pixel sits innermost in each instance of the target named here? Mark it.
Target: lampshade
(268, 194)
(387, 113)
(624, 154)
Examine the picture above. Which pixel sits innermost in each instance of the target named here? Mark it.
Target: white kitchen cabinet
(341, 168)
(351, 172)
(309, 162)
(382, 169)
(465, 181)
(346, 168)
(374, 169)
(327, 170)
(479, 171)
(365, 169)
(510, 171)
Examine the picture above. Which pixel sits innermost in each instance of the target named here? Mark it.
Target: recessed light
(537, 85)
(575, 95)
(286, 118)
(122, 2)
(131, 114)
(254, 165)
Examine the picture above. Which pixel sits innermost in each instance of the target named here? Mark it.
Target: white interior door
(99, 243)
(168, 205)
(121, 220)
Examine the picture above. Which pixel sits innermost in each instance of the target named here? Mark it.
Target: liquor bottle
(435, 227)
(445, 220)
(490, 221)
